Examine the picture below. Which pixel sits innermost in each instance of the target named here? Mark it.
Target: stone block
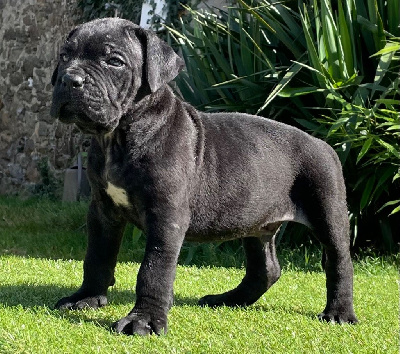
(6, 137)
(32, 174)
(15, 52)
(45, 116)
(29, 146)
(22, 160)
(15, 171)
(59, 130)
(5, 185)
(30, 62)
(29, 20)
(16, 79)
(5, 120)
(41, 129)
(10, 34)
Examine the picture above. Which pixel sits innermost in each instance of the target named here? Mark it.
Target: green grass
(42, 244)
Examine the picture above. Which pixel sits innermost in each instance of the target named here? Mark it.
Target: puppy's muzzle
(72, 81)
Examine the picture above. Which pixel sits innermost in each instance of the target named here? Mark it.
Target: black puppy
(178, 173)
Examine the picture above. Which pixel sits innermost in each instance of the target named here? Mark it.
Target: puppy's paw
(74, 303)
(231, 299)
(211, 301)
(335, 317)
(141, 324)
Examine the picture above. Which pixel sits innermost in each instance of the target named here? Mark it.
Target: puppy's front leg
(104, 239)
(154, 287)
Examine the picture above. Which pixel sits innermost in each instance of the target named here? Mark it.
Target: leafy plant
(49, 185)
(329, 67)
(364, 124)
(229, 61)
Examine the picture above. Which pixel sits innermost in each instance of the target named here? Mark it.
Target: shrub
(48, 186)
(328, 67)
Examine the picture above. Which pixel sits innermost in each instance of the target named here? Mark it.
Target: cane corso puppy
(180, 174)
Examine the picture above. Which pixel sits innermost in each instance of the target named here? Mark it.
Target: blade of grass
(299, 91)
(365, 197)
(290, 74)
(346, 40)
(393, 13)
(390, 148)
(312, 52)
(276, 29)
(364, 149)
(383, 66)
(330, 35)
(375, 19)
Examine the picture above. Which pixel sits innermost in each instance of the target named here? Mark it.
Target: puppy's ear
(161, 63)
(54, 76)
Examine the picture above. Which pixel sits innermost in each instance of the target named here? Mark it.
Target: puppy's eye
(115, 62)
(64, 57)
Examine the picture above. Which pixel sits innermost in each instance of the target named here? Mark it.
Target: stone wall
(31, 32)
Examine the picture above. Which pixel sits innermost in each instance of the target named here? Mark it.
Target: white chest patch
(118, 195)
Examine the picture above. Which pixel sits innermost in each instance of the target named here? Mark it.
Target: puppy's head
(106, 66)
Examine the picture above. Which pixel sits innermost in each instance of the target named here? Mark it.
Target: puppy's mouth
(67, 113)
(64, 110)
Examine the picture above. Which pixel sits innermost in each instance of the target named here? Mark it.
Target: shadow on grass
(291, 310)
(45, 296)
(28, 295)
(35, 296)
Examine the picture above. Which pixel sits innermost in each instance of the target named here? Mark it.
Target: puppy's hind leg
(333, 234)
(326, 212)
(262, 271)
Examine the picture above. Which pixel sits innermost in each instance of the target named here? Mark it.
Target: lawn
(42, 245)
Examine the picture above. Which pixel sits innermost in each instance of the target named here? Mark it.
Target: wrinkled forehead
(102, 37)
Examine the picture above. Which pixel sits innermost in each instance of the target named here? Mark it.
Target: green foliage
(329, 67)
(49, 185)
(229, 61)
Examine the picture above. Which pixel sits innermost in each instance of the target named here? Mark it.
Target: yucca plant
(228, 61)
(364, 124)
(366, 132)
(327, 66)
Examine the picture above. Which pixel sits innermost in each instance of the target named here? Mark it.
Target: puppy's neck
(147, 124)
(115, 140)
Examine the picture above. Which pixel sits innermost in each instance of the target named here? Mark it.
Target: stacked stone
(31, 33)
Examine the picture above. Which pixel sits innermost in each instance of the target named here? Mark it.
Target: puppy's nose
(72, 81)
